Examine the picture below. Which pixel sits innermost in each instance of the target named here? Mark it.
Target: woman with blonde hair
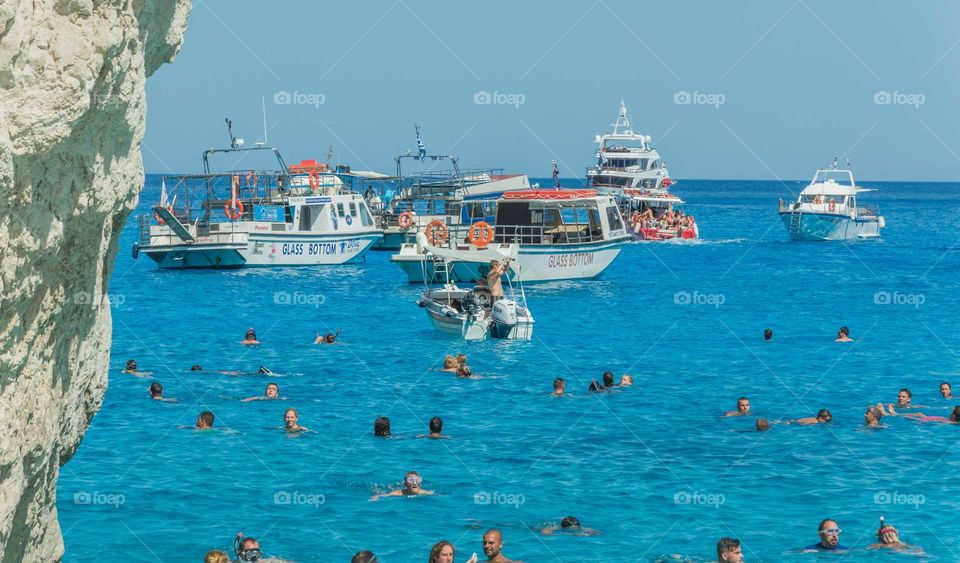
(450, 364)
(216, 556)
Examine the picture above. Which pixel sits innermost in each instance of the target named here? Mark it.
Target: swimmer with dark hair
(131, 368)
(290, 424)
(250, 338)
(569, 524)
(559, 387)
(205, 421)
(436, 429)
(412, 482)
(156, 392)
(823, 416)
(767, 334)
(843, 335)
(328, 338)
(271, 392)
(946, 391)
(196, 367)
(743, 408)
(763, 425)
(381, 426)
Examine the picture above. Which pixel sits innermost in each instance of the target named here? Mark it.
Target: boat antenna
(263, 108)
(848, 163)
(233, 140)
(421, 148)
(329, 153)
(835, 163)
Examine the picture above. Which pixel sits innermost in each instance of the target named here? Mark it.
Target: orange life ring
(405, 220)
(437, 232)
(233, 209)
(314, 181)
(251, 178)
(480, 234)
(832, 205)
(157, 217)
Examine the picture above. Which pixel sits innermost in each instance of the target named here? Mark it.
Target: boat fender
(136, 250)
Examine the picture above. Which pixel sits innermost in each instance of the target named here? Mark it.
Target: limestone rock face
(72, 112)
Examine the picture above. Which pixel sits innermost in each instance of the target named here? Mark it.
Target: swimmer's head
(762, 424)
(492, 543)
(272, 390)
(829, 532)
(412, 481)
(945, 389)
(248, 549)
(626, 380)
(330, 338)
(264, 370)
(196, 367)
(251, 334)
(823, 415)
(904, 396)
(767, 334)
(205, 420)
(558, 385)
(156, 390)
(843, 331)
(872, 416)
(216, 556)
(888, 535)
(131, 365)
(464, 371)
(729, 551)
(436, 425)
(381, 426)
(290, 417)
(743, 405)
(462, 358)
(955, 415)
(449, 362)
(442, 552)
(570, 523)
(364, 556)
(607, 378)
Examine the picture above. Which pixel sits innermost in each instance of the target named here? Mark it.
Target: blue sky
(777, 87)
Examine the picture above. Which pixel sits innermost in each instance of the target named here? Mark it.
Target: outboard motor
(505, 312)
(471, 303)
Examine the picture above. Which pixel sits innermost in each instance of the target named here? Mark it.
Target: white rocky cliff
(72, 110)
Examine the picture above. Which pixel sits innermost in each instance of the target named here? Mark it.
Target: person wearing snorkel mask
(247, 549)
(411, 487)
(250, 337)
(889, 538)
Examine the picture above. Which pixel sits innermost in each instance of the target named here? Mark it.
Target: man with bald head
(492, 544)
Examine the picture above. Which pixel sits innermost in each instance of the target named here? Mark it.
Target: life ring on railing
(251, 179)
(157, 216)
(832, 205)
(405, 220)
(480, 234)
(314, 181)
(437, 232)
(233, 209)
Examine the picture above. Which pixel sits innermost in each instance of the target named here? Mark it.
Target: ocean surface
(655, 468)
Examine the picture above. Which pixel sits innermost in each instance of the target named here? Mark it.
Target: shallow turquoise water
(624, 463)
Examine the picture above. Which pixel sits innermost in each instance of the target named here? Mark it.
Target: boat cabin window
(614, 219)
(340, 209)
(353, 209)
(553, 222)
(309, 215)
(288, 214)
(365, 217)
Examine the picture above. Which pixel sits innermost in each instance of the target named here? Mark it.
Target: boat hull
(829, 226)
(265, 250)
(536, 264)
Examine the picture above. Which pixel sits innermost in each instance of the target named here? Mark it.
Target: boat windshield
(548, 222)
(841, 177)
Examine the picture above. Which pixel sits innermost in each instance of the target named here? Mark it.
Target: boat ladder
(441, 272)
(795, 221)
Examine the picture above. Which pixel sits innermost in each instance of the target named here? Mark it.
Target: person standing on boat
(494, 285)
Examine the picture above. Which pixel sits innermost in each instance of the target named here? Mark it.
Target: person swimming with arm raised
(608, 383)
(412, 482)
(952, 419)
(889, 538)
(271, 392)
(328, 338)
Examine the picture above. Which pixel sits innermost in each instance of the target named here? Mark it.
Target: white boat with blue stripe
(827, 209)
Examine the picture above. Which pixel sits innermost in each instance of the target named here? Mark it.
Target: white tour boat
(827, 209)
(561, 234)
(629, 168)
(303, 215)
(473, 313)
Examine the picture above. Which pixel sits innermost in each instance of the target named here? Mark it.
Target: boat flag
(163, 192)
(421, 149)
(603, 159)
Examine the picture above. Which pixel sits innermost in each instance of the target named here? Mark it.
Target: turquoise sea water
(655, 467)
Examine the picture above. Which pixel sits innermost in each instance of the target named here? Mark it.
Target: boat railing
(201, 198)
(871, 210)
(545, 235)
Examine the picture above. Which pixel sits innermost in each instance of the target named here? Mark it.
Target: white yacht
(562, 234)
(630, 169)
(827, 209)
(304, 215)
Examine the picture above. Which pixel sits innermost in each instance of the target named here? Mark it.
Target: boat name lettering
(316, 200)
(569, 260)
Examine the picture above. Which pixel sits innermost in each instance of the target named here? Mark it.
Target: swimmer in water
(904, 396)
(946, 391)
(873, 415)
(843, 335)
(290, 418)
(608, 383)
(436, 429)
(264, 370)
(952, 419)
(443, 552)
(889, 538)
(156, 392)
(729, 551)
(205, 421)
(365, 556)
(569, 524)
(196, 367)
(823, 416)
(381, 426)
(328, 338)
(767, 334)
(250, 338)
(464, 371)
(829, 533)
(131, 368)
(450, 364)
(493, 547)
(247, 549)
(762, 425)
(743, 408)
(271, 392)
(411, 487)
(626, 380)
(216, 556)
(559, 387)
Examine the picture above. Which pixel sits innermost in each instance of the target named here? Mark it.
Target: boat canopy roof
(832, 182)
(549, 194)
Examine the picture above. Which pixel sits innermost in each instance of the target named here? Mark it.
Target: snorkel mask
(245, 555)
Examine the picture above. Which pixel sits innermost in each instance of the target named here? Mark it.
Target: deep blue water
(624, 463)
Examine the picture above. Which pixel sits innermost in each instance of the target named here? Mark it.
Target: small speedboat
(473, 313)
(827, 209)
